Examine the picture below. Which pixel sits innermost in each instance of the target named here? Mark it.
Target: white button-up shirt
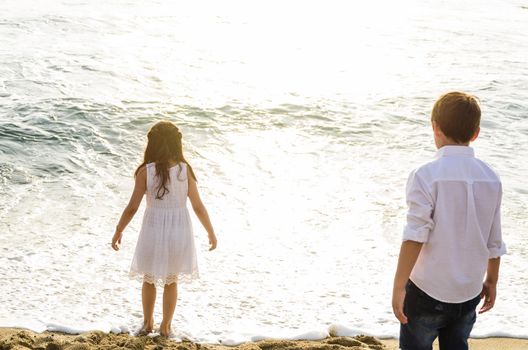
(454, 209)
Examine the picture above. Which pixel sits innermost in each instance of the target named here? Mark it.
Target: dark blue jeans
(429, 318)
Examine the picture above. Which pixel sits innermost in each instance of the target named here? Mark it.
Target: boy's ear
(436, 128)
(476, 134)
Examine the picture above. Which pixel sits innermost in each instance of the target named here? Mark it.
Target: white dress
(165, 251)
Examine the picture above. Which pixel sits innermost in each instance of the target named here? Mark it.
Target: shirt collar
(455, 151)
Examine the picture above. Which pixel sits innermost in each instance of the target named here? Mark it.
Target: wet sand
(477, 344)
(17, 339)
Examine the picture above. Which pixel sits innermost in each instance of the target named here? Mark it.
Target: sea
(302, 120)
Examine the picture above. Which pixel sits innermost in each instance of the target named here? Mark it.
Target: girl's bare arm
(140, 188)
(201, 212)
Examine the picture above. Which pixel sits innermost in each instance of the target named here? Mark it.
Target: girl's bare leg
(148, 296)
(170, 295)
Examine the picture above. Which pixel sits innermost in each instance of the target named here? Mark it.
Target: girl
(165, 252)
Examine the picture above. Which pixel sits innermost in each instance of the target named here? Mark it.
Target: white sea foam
(235, 339)
(69, 330)
(337, 330)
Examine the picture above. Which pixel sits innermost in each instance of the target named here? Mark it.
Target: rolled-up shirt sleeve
(419, 212)
(496, 245)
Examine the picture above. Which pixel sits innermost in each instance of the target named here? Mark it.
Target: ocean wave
(302, 139)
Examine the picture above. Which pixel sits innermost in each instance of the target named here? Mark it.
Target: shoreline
(17, 338)
(495, 343)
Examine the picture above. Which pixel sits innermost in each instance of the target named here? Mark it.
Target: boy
(453, 235)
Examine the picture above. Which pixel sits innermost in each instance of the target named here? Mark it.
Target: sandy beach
(478, 344)
(23, 339)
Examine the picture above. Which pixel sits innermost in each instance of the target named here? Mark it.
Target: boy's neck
(452, 144)
(448, 142)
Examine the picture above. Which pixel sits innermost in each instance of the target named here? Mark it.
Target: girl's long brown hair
(164, 145)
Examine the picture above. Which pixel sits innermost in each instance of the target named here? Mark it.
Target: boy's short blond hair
(458, 115)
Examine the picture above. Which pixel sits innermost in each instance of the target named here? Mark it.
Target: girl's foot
(165, 330)
(145, 330)
(166, 334)
(142, 332)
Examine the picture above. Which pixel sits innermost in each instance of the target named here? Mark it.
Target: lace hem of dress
(181, 277)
